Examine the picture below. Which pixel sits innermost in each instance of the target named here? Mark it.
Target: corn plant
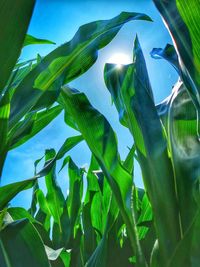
(104, 219)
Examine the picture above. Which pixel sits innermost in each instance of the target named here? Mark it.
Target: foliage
(104, 219)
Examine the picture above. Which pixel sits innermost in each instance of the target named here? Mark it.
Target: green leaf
(92, 211)
(54, 197)
(20, 245)
(66, 63)
(179, 117)
(19, 213)
(132, 94)
(102, 142)
(182, 18)
(187, 252)
(65, 162)
(90, 241)
(145, 217)
(76, 259)
(30, 40)
(14, 20)
(32, 124)
(45, 234)
(101, 254)
(148, 243)
(168, 53)
(129, 161)
(44, 213)
(19, 73)
(75, 192)
(67, 145)
(22, 64)
(63, 234)
(43, 204)
(8, 192)
(3, 214)
(33, 207)
(118, 244)
(98, 258)
(4, 116)
(65, 256)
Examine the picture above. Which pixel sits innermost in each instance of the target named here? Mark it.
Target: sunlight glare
(119, 59)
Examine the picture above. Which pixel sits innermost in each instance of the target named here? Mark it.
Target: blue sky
(58, 20)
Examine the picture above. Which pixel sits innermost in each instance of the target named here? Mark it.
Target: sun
(119, 59)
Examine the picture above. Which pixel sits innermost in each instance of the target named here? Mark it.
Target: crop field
(104, 219)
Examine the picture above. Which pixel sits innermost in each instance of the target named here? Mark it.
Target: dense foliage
(105, 221)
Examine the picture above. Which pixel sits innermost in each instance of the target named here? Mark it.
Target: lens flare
(120, 59)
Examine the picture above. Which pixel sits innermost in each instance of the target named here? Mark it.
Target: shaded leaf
(179, 117)
(168, 53)
(187, 252)
(12, 37)
(20, 245)
(182, 18)
(4, 116)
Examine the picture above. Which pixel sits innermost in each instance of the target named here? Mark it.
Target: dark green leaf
(14, 20)
(168, 53)
(187, 252)
(20, 245)
(62, 232)
(4, 116)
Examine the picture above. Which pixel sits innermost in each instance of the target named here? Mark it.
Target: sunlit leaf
(132, 94)
(65, 63)
(67, 146)
(54, 197)
(30, 40)
(8, 192)
(102, 142)
(32, 124)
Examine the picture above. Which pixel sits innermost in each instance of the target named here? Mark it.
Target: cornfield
(104, 220)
